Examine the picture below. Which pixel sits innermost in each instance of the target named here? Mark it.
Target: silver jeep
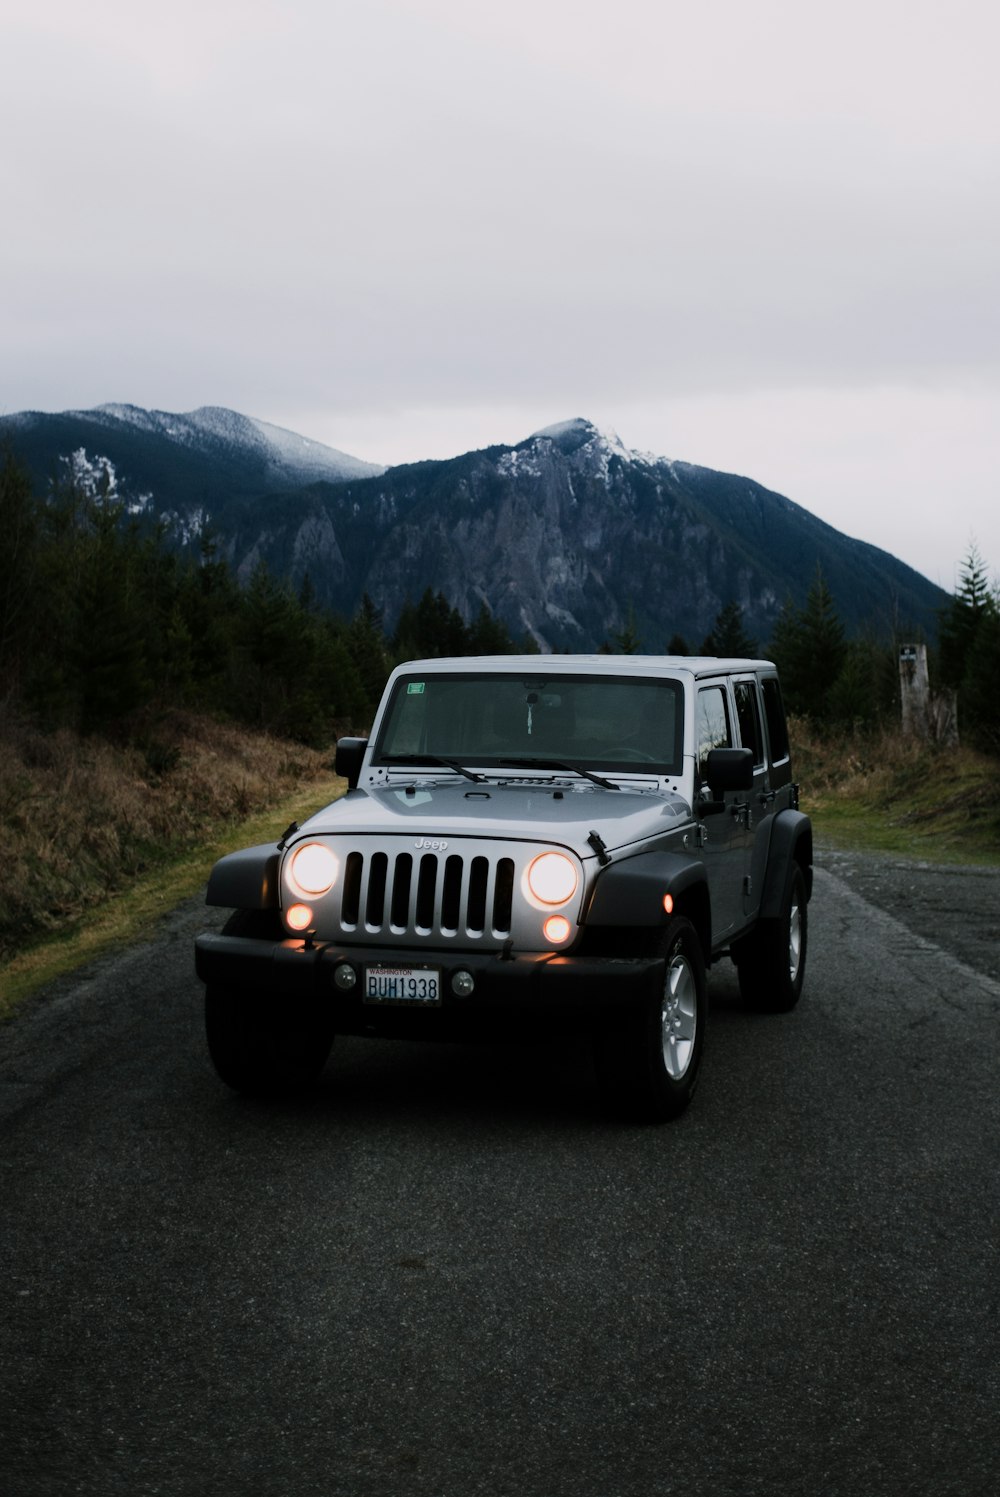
(526, 842)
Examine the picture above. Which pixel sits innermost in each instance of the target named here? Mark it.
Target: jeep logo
(430, 844)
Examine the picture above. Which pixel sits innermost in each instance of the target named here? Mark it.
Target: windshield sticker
(414, 688)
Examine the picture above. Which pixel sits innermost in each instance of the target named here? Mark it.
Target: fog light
(299, 916)
(557, 929)
(462, 984)
(344, 977)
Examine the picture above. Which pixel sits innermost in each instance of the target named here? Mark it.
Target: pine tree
(866, 692)
(979, 700)
(488, 635)
(728, 636)
(961, 620)
(366, 646)
(19, 528)
(430, 630)
(107, 644)
(625, 641)
(824, 645)
(810, 650)
(969, 640)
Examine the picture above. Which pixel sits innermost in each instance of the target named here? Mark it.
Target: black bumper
(529, 984)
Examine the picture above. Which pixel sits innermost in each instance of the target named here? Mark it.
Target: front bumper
(531, 985)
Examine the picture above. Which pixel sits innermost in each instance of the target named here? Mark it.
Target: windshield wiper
(560, 764)
(452, 764)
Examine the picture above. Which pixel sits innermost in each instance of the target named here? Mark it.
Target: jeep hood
(563, 813)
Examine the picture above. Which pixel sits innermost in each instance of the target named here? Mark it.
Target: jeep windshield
(623, 724)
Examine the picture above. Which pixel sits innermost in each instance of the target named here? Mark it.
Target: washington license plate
(417, 985)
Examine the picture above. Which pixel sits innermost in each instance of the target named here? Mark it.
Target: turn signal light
(299, 916)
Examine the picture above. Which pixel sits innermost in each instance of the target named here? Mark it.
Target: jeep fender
(790, 842)
(631, 892)
(246, 880)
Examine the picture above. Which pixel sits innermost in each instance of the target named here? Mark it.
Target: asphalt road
(449, 1273)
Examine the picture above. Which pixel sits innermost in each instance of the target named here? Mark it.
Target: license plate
(416, 985)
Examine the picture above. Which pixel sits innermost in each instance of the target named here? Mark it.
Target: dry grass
(883, 792)
(81, 819)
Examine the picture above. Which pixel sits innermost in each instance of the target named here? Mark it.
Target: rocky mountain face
(566, 536)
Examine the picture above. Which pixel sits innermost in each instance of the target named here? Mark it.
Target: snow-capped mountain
(567, 536)
(182, 460)
(570, 534)
(286, 457)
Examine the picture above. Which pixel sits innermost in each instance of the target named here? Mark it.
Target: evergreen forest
(103, 624)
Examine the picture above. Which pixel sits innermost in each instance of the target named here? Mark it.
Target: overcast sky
(764, 237)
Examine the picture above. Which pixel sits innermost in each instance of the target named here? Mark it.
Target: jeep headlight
(552, 878)
(312, 869)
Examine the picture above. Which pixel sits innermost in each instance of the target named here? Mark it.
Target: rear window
(748, 716)
(774, 712)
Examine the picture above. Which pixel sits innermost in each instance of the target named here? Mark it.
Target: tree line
(102, 619)
(835, 681)
(839, 683)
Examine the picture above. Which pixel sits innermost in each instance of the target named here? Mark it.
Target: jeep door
(721, 832)
(751, 809)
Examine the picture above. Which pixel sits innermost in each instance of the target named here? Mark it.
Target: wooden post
(926, 713)
(914, 690)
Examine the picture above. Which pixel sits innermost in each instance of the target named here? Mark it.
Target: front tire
(772, 962)
(648, 1060)
(261, 1045)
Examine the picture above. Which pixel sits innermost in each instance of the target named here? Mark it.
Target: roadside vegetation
(100, 839)
(152, 706)
(881, 792)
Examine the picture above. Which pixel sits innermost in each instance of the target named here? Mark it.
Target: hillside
(567, 533)
(566, 536)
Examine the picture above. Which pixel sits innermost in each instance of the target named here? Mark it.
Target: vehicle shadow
(531, 1083)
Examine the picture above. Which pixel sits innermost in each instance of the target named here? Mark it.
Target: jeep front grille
(427, 894)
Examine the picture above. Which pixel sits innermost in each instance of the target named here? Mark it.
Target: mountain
(199, 459)
(566, 535)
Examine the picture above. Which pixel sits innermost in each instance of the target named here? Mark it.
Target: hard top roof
(591, 665)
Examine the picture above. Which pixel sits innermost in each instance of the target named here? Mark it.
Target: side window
(777, 729)
(748, 717)
(713, 724)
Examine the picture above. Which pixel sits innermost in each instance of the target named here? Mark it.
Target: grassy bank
(99, 839)
(894, 795)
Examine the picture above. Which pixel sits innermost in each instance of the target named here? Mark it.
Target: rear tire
(649, 1057)
(259, 1044)
(772, 962)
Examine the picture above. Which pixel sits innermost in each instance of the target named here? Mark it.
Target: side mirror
(729, 769)
(348, 759)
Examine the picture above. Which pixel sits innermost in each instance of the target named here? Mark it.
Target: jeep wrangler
(526, 843)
